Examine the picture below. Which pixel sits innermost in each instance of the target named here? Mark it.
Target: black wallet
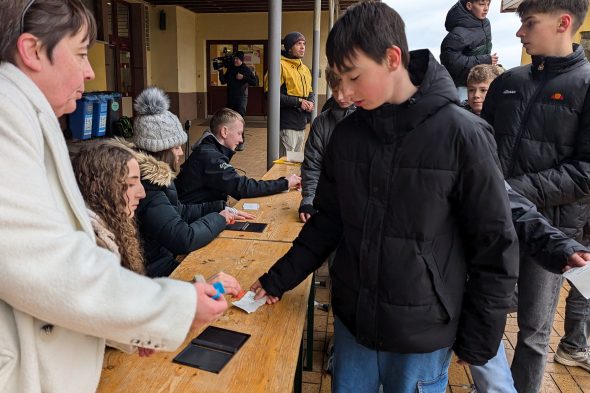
(212, 349)
(246, 226)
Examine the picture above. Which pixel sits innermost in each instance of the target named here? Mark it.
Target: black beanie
(291, 38)
(240, 55)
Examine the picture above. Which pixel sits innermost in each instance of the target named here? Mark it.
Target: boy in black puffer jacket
(412, 201)
(541, 115)
(469, 41)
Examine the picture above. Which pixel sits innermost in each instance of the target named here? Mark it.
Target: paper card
(580, 278)
(251, 206)
(294, 156)
(248, 304)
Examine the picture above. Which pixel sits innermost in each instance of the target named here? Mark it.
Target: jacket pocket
(437, 283)
(7, 364)
(436, 385)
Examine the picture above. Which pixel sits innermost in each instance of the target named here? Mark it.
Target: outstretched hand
(260, 293)
(577, 259)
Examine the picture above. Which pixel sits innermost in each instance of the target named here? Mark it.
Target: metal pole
(330, 25)
(317, 20)
(274, 81)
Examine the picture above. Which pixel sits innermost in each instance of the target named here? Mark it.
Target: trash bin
(99, 114)
(80, 121)
(113, 111)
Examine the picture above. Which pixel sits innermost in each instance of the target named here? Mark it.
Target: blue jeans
(495, 375)
(360, 369)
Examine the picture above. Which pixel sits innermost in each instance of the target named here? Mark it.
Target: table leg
(297, 384)
(310, 311)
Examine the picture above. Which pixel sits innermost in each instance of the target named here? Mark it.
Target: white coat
(61, 296)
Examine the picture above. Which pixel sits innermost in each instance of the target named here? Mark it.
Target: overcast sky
(425, 27)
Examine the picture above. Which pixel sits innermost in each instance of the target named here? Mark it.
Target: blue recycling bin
(80, 121)
(99, 114)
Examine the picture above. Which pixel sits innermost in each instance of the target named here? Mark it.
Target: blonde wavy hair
(101, 171)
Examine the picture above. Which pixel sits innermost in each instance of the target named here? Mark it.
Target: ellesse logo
(509, 92)
(558, 97)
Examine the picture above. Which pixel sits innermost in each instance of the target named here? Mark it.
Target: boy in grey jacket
(335, 109)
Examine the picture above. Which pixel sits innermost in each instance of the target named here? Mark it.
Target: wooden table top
(266, 362)
(279, 211)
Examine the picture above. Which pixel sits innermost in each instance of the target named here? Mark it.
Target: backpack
(123, 127)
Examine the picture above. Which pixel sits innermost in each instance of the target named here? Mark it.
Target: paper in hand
(248, 304)
(580, 278)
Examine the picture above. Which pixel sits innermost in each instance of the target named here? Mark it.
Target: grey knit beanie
(156, 129)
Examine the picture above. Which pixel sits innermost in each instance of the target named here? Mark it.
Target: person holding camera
(237, 77)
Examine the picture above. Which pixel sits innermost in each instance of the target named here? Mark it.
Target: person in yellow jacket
(297, 99)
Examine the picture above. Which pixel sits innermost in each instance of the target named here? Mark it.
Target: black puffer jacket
(207, 176)
(550, 246)
(315, 147)
(412, 199)
(468, 43)
(541, 116)
(238, 87)
(167, 227)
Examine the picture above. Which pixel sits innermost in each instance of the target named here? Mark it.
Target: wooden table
(279, 211)
(267, 361)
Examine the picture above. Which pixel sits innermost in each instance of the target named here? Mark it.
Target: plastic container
(99, 114)
(80, 121)
(113, 111)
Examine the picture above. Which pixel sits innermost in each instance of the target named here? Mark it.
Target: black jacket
(237, 87)
(207, 175)
(315, 147)
(541, 116)
(412, 200)
(468, 43)
(537, 237)
(167, 227)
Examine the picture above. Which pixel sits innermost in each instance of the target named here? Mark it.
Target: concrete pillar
(274, 81)
(330, 24)
(315, 71)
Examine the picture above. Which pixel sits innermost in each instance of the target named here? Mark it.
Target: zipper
(525, 118)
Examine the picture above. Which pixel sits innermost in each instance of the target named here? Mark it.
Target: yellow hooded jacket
(295, 84)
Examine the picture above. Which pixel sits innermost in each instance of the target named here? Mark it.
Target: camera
(227, 60)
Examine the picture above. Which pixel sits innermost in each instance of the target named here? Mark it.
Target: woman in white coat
(61, 295)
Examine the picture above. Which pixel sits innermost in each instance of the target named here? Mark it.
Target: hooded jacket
(315, 148)
(541, 116)
(167, 227)
(295, 84)
(412, 200)
(207, 176)
(468, 43)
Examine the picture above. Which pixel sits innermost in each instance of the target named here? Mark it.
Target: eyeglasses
(22, 17)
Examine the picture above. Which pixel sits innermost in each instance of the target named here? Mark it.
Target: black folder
(212, 349)
(246, 226)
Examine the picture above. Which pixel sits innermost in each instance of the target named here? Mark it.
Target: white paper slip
(580, 278)
(251, 206)
(294, 156)
(248, 304)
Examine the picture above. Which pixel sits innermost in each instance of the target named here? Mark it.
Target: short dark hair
(577, 8)
(371, 27)
(222, 117)
(48, 20)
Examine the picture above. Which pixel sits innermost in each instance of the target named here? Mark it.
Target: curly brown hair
(101, 171)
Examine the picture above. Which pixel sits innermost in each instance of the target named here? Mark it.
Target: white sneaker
(576, 359)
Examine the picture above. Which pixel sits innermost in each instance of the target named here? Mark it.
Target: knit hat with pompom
(155, 128)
